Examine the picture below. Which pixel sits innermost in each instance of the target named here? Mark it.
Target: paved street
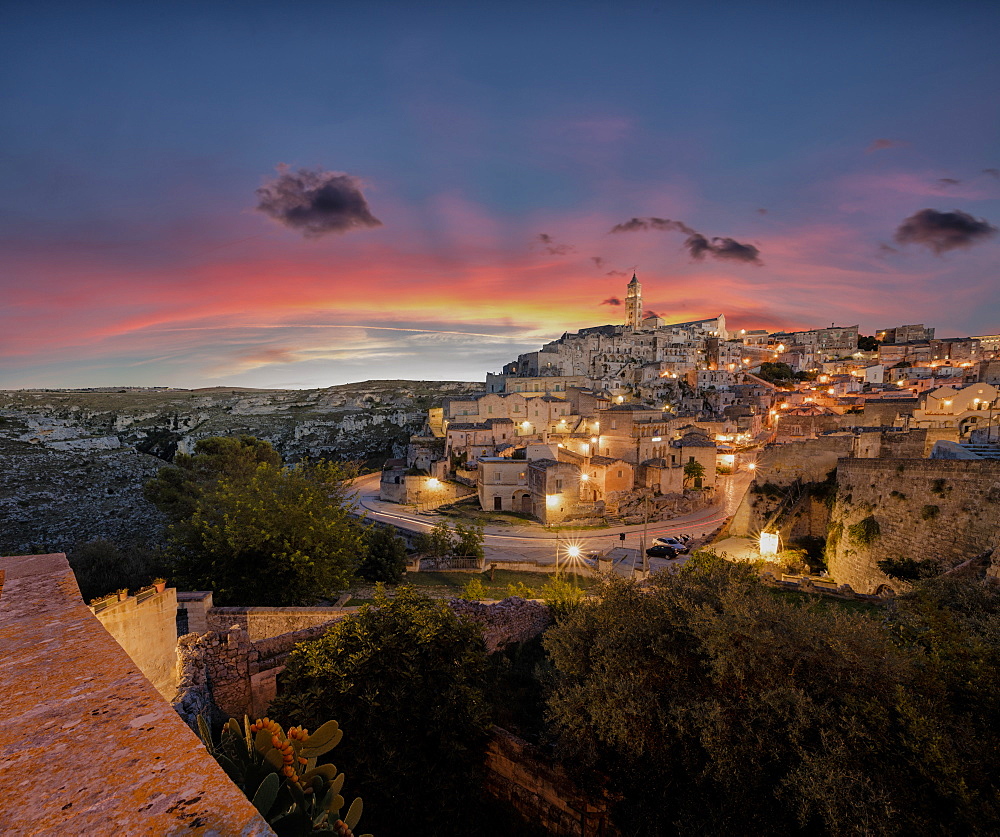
(532, 542)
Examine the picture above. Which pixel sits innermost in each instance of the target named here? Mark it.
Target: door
(497, 504)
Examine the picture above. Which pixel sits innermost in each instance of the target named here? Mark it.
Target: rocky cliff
(72, 463)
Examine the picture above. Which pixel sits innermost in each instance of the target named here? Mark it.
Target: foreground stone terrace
(87, 744)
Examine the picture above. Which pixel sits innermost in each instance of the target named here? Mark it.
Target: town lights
(768, 544)
(551, 500)
(584, 477)
(593, 440)
(573, 551)
(433, 482)
(751, 466)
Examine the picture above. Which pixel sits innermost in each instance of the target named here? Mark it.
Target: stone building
(503, 484)
(555, 489)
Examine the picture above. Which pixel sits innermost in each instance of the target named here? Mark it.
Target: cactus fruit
(277, 771)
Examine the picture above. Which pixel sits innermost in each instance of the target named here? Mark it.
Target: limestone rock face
(72, 463)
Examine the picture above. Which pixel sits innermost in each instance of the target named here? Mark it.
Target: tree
(776, 372)
(273, 536)
(468, 542)
(176, 489)
(714, 706)
(693, 471)
(102, 566)
(406, 677)
(868, 344)
(384, 556)
(442, 541)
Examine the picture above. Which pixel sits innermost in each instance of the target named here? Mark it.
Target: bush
(474, 591)
(929, 512)
(102, 567)
(562, 596)
(521, 590)
(385, 556)
(865, 532)
(405, 677)
(909, 569)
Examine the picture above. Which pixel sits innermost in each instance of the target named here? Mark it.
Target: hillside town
(650, 415)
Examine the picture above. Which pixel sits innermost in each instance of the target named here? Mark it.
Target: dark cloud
(697, 244)
(315, 202)
(886, 249)
(943, 231)
(552, 248)
(641, 224)
(616, 273)
(762, 211)
(597, 260)
(612, 300)
(883, 143)
(649, 314)
(727, 249)
(945, 182)
(992, 173)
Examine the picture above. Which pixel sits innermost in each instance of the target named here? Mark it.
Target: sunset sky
(306, 194)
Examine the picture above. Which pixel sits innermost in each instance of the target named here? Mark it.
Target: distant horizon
(195, 194)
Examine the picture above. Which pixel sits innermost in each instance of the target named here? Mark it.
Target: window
(558, 486)
(489, 409)
(621, 473)
(614, 424)
(690, 459)
(497, 477)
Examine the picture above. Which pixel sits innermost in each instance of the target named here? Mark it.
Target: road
(533, 542)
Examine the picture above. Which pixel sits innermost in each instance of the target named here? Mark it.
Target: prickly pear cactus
(278, 772)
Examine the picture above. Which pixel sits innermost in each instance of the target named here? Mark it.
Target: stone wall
(947, 510)
(87, 745)
(146, 627)
(263, 622)
(225, 674)
(540, 790)
(808, 461)
(504, 623)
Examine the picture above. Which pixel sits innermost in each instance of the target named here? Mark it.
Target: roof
(465, 425)
(694, 440)
(605, 460)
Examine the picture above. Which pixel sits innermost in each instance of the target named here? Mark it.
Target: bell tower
(633, 304)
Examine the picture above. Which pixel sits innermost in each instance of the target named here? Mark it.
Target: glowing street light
(768, 544)
(433, 482)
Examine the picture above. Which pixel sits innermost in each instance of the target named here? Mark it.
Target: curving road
(535, 543)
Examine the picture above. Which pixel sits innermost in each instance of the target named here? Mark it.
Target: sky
(307, 194)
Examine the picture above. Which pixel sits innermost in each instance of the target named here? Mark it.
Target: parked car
(676, 543)
(661, 550)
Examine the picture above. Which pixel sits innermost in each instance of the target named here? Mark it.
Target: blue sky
(134, 141)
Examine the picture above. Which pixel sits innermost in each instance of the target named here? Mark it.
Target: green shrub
(474, 590)
(865, 532)
(521, 590)
(405, 678)
(929, 512)
(909, 569)
(562, 596)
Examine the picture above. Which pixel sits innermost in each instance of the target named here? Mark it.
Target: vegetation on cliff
(712, 706)
(406, 678)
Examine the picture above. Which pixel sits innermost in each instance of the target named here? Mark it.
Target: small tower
(633, 304)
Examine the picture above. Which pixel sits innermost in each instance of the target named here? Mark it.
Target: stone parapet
(88, 745)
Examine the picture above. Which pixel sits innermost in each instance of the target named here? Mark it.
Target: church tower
(633, 304)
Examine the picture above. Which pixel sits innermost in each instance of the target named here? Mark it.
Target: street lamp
(768, 544)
